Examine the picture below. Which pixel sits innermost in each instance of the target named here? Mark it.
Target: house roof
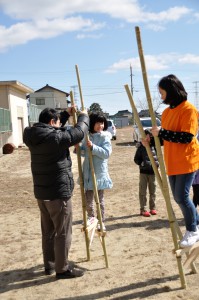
(146, 113)
(124, 111)
(51, 87)
(20, 86)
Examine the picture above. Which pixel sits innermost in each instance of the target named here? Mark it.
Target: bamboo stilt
(175, 229)
(162, 180)
(165, 187)
(171, 222)
(81, 186)
(93, 178)
(191, 252)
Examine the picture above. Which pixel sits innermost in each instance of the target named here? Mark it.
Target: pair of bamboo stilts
(96, 197)
(162, 179)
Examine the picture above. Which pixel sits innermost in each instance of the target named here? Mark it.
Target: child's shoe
(145, 213)
(90, 221)
(153, 212)
(103, 227)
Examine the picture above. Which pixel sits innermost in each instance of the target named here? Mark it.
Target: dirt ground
(139, 249)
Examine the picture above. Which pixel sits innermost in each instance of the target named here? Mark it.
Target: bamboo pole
(153, 120)
(137, 119)
(165, 188)
(93, 179)
(81, 186)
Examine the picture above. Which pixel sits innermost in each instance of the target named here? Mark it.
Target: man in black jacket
(51, 163)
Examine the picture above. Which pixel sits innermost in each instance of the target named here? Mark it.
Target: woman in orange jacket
(179, 127)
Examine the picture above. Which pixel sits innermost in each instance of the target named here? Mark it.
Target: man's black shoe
(49, 271)
(69, 274)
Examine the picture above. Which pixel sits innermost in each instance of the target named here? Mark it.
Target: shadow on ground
(130, 290)
(127, 144)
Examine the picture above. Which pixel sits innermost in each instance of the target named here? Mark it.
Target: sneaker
(145, 213)
(90, 221)
(153, 212)
(190, 238)
(70, 274)
(103, 227)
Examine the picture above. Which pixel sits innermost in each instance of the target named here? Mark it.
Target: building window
(5, 120)
(40, 101)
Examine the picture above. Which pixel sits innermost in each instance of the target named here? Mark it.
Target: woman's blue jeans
(180, 187)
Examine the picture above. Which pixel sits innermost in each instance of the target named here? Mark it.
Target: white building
(49, 96)
(13, 104)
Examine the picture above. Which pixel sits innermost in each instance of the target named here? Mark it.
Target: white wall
(18, 108)
(48, 96)
(13, 97)
(53, 99)
(121, 122)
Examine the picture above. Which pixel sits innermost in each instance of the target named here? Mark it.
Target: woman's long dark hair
(97, 117)
(174, 88)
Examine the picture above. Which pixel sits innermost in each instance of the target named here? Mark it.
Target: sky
(41, 41)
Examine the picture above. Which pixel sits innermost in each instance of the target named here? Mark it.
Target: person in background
(179, 127)
(147, 176)
(99, 142)
(51, 164)
(195, 186)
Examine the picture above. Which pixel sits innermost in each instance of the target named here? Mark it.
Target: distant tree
(95, 108)
(143, 104)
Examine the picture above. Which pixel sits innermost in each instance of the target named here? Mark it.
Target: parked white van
(112, 129)
(146, 124)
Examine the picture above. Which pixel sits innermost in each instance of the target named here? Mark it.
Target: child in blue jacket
(100, 144)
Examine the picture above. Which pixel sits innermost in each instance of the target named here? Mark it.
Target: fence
(34, 112)
(5, 120)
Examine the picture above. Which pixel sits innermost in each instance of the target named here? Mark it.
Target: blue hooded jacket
(101, 151)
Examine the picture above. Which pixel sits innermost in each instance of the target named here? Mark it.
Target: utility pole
(196, 94)
(74, 88)
(131, 75)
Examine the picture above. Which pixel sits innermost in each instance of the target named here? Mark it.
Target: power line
(131, 75)
(196, 94)
(102, 94)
